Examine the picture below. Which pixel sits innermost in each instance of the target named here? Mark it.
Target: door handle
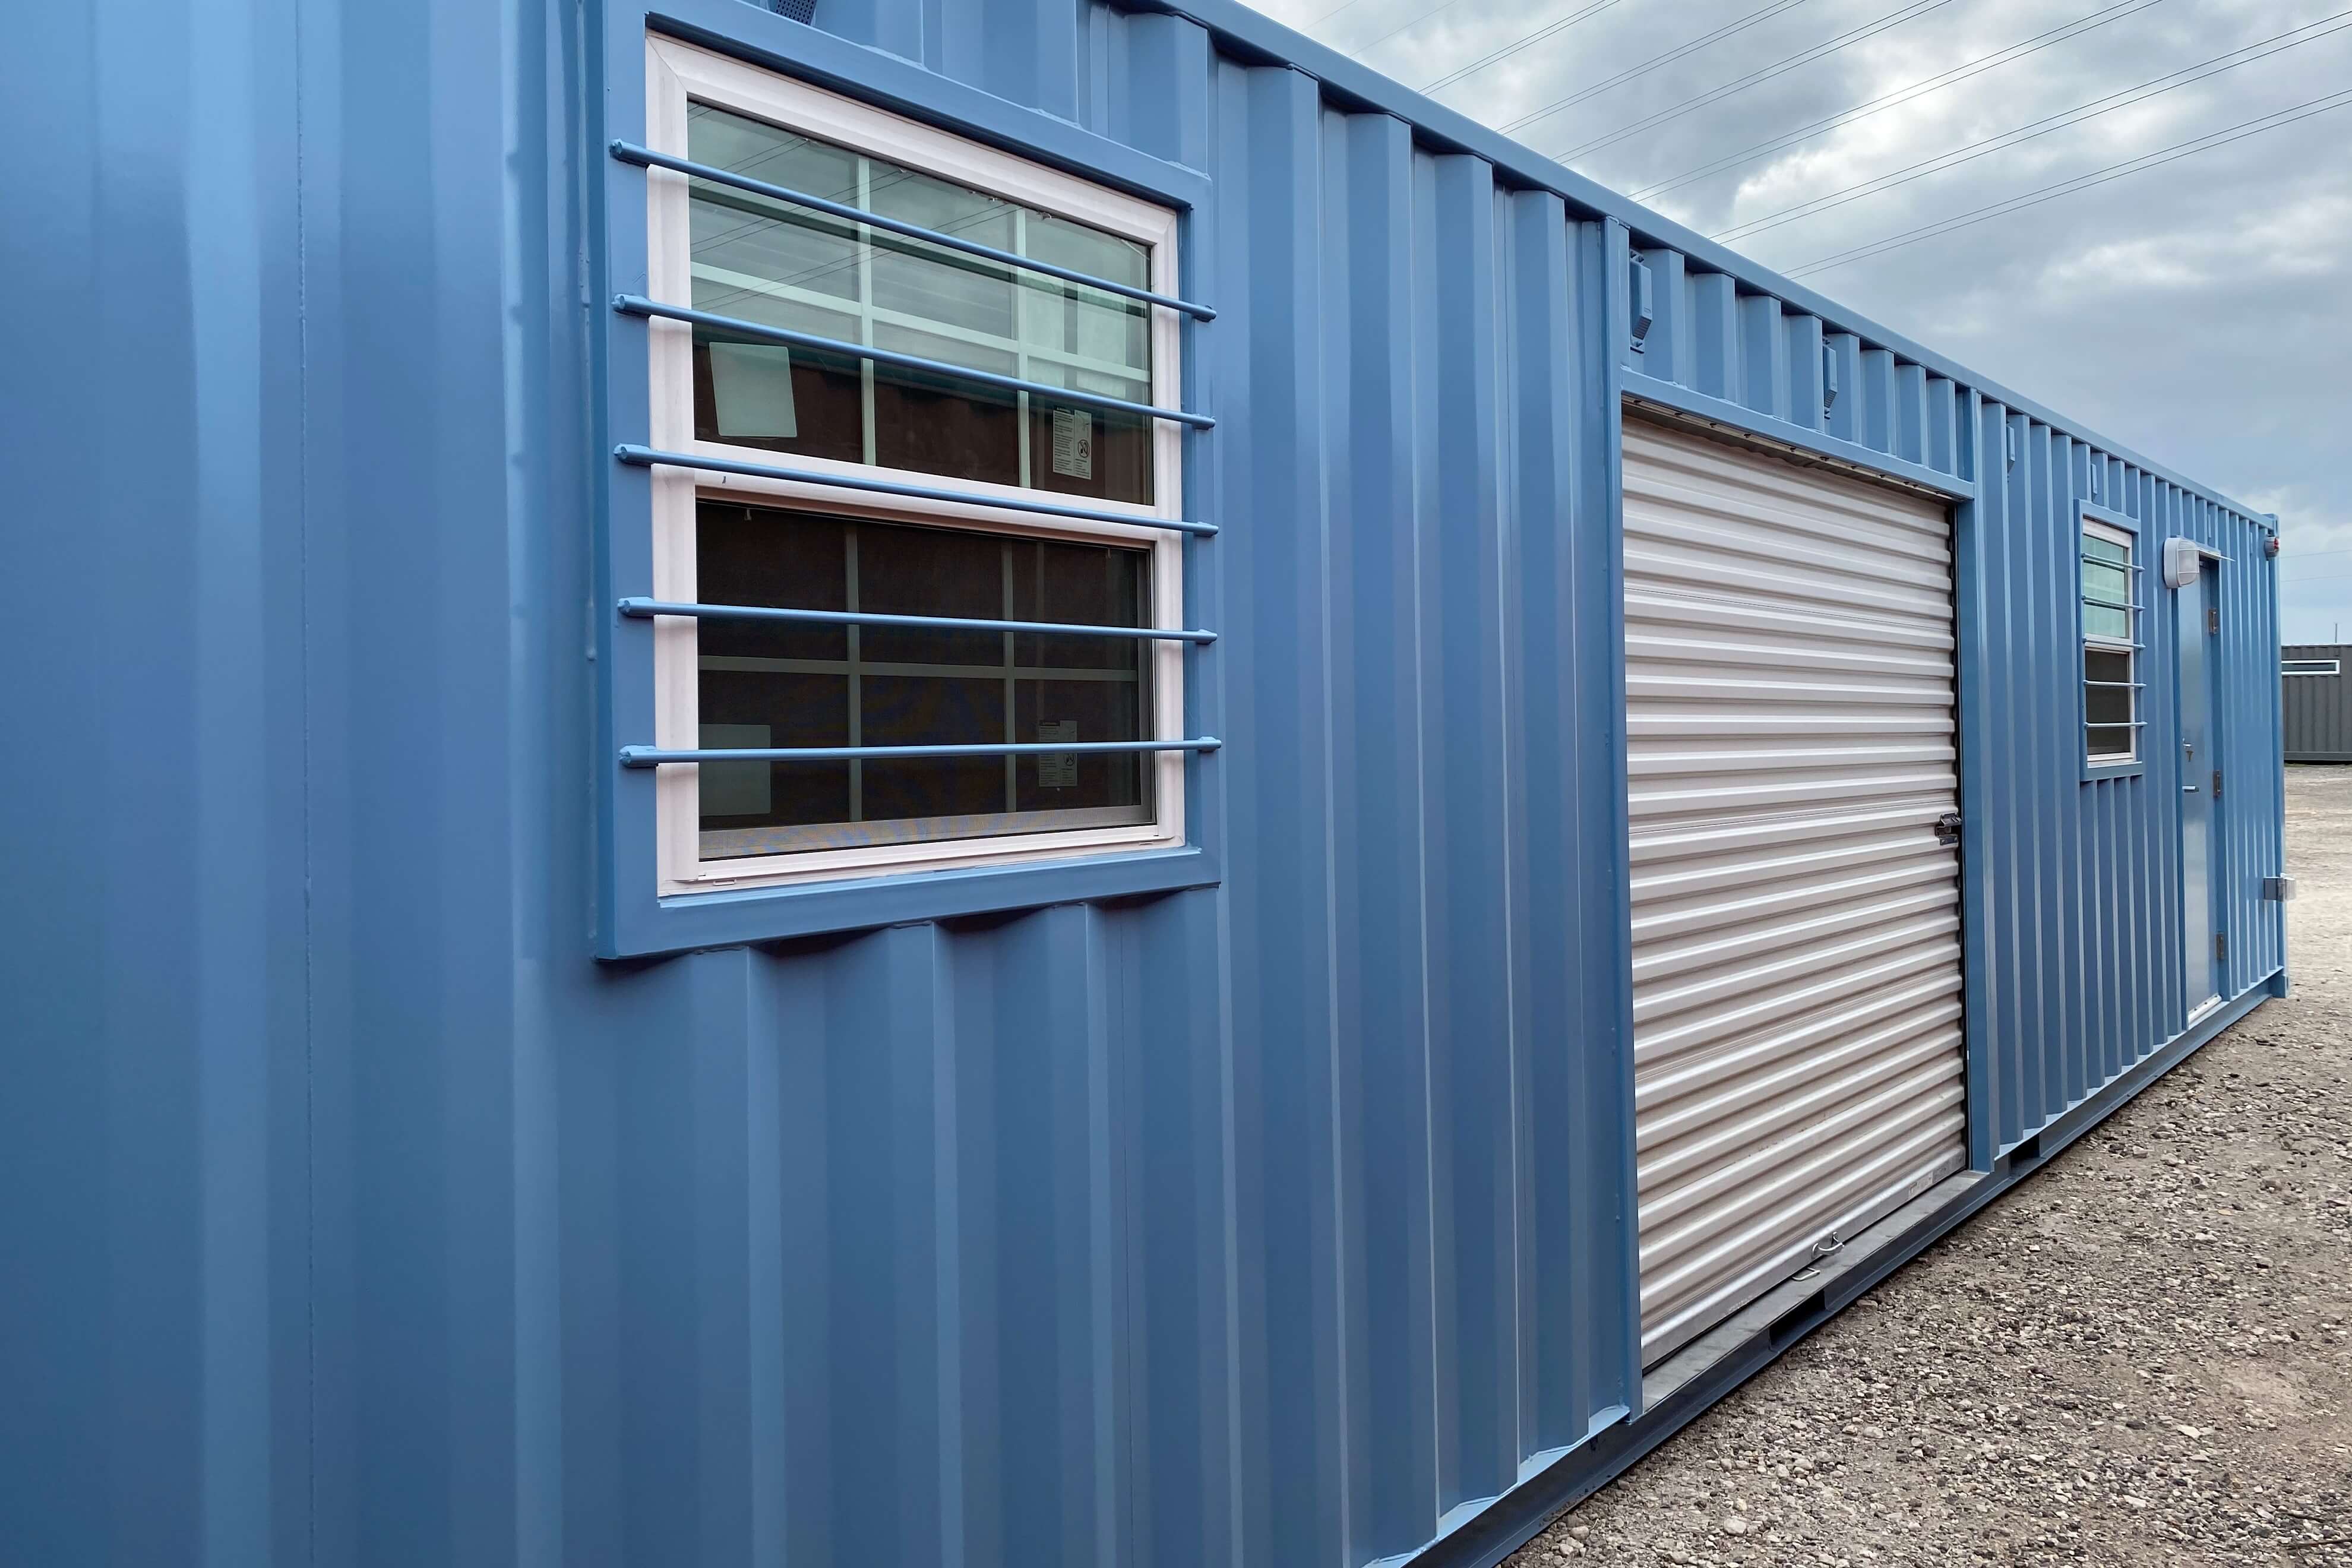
(2188, 789)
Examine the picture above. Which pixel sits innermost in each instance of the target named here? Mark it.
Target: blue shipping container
(398, 1174)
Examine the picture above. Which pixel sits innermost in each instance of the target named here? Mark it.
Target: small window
(2111, 714)
(2311, 666)
(959, 502)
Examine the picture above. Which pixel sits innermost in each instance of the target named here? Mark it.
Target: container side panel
(1271, 457)
(1373, 213)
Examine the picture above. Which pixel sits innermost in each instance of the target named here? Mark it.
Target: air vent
(794, 10)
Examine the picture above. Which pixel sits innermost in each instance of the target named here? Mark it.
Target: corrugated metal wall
(1269, 1225)
(1792, 743)
(2316, 710)
(364, 1218)
(2074, 953)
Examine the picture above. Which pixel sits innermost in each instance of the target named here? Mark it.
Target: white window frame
(2129, 646)
(2333, 667)
(678, 72)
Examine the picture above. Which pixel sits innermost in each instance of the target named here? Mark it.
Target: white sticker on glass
(1057, 769)
(734, 789)
(752, 391)
(1074, 443)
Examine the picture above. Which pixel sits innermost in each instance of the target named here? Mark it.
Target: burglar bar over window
(865, 309)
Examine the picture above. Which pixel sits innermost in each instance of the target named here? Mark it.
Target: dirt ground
(2142, 1354)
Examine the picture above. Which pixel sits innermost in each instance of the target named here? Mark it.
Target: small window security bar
(637, 756)
(2109, 559)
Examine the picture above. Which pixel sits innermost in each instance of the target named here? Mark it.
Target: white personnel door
(1797, 1059)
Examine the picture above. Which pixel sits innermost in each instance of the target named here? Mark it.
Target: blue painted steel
(647, 457)
(645, 157)
(1259, 1203)
(648, 608)
(654, 756)
(638, 305)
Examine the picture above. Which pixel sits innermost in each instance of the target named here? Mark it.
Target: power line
(1412, 21)
(2079, 114)
(1342, 6)
(2155, 159)
(1766, 73)
(2113, 12)
(1652, 63)
(1563, 25)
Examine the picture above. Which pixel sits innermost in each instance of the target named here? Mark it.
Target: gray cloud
(2195, 311)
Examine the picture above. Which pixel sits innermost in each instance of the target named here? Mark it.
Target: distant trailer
(2316, 701)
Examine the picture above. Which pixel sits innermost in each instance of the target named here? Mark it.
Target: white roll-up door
(1797, 1057)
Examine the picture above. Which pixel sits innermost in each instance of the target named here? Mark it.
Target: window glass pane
(785, 685)
(2099, 621)
(2110, 703)
(2107, 694)
(2106, 579)
(784, 265)
(2109, 582)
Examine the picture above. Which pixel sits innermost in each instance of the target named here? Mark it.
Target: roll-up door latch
(1948, 829)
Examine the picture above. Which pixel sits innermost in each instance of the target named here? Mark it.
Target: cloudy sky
(2198, 310)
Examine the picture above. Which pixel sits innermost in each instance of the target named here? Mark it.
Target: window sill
(2094, 771)
(679, 924)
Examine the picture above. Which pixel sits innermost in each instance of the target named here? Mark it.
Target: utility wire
(1652, 63)
(1563, 25)
(2155, 86)
(2155, 159)
(1342, 6)
(1766, 73)
(2114, 12)
(1412, 21)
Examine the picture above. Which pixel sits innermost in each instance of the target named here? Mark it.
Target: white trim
(2111, 534)
(2334, 667)
(677, 72)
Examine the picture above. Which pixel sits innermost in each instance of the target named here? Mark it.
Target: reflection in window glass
(767, 684)
(784, 265)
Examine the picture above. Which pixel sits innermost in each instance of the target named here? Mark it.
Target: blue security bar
(638, 305)
(645, 157)
(654, 756)
(643, 608)
(649, 456)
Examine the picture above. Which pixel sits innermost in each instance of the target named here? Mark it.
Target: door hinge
(1948, 829)
(2217, 784)
(2212, 622)
(2221, 947)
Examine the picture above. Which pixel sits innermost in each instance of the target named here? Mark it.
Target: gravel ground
(2142, 1354)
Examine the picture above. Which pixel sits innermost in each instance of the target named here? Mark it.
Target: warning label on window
(1057, 769)
(1074, 443)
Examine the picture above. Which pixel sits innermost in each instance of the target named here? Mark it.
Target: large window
(2110, 645)
(837, 617)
